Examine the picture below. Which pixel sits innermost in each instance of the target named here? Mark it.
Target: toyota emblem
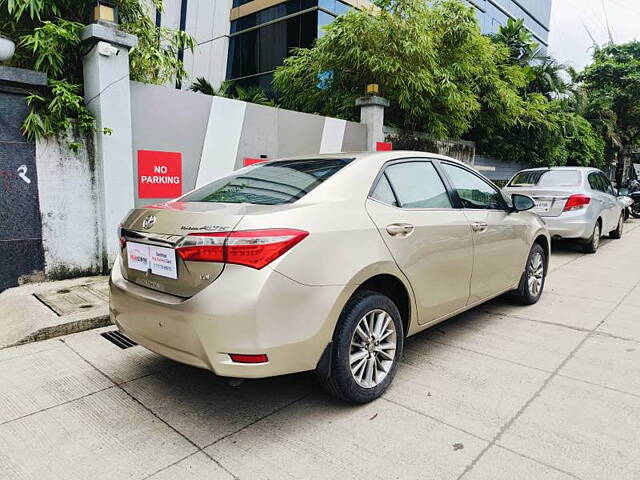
(148, 222)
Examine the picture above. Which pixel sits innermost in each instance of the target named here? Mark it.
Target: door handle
(479, 227)
(400, 229)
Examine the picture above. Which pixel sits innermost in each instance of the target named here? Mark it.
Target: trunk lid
(156, 230)
(549, 202)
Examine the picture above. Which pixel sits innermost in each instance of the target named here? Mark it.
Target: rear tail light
(243, 358)
(253, 248)
(203, 247)
(576, 202)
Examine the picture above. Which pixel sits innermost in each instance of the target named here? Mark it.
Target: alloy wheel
(596, 237)
(535, 276)
(373, 348)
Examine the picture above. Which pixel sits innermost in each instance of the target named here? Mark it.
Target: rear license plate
(543, 205)
(158, 260)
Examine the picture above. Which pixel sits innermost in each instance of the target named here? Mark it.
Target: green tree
(585, 147)
(515, 35)
(550, 130)
(547, 77)
(431, 62)
(47, 34)
(612, 85)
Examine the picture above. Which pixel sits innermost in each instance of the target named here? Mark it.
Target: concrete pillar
(372, 115)
(107, 96)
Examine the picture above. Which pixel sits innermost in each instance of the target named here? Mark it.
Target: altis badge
(208, 228)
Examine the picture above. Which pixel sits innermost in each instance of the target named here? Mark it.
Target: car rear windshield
(546, 178)
(273, 183)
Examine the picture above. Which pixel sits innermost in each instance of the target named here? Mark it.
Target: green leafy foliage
(546, 77)
(612, 87)
(550, 129)
(155, 58)
(446, 79)
(47, 34)
(519, 40)
(585, 147)
(431, 61)
(253, 94)
(54, 114)
(202, 85)
(51, 44)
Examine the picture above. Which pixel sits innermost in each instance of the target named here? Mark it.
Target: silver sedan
(575, 202)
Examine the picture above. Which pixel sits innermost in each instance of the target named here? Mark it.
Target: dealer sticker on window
(159, 260)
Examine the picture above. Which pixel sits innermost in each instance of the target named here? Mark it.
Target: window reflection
(256, 52)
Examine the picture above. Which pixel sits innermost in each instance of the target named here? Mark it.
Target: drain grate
(119, 339)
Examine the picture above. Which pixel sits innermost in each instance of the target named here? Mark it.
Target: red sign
(252, 161)
(384, 146)
(159, 174)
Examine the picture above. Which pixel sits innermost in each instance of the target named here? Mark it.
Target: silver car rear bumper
(578, 224)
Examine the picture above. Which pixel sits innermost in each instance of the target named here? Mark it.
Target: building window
(259, 42)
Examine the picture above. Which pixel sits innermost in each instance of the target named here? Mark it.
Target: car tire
(347, 377)
(617, 233)
(592, 245)
(533, 277)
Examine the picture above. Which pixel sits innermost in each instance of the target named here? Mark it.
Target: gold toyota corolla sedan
(323, 263)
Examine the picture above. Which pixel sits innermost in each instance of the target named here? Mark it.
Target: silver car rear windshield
(546, 178)
(273, 183)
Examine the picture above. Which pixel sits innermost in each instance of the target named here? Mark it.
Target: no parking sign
(159, 174)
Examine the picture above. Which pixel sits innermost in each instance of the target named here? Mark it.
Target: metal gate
(21, 251)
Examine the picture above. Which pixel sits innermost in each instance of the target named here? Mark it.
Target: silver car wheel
(535, 277)
(596, 237)
(373, 348)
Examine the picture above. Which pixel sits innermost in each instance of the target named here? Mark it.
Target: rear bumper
(577, 225)
(244, 311)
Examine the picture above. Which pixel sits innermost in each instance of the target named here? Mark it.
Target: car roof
(580, 169)
(385, 156)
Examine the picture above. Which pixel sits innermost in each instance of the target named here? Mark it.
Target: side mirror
(522, 203)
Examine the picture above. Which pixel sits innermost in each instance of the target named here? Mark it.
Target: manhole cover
(71, 300)
(99, 288)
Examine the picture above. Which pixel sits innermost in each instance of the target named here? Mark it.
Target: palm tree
(202, 85)
(548, 77)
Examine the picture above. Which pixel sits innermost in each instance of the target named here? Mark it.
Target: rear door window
(473, 191)
(546, 178)
(417, 185)
(606, 184)
(273, 183)
(383, 192)
(595, 183)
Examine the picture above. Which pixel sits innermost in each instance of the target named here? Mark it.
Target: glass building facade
(259, 41)
(536, 14)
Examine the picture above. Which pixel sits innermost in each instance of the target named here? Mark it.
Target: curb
(60, 330)
(41, 311)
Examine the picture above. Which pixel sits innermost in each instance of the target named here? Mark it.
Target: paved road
(502, 392)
